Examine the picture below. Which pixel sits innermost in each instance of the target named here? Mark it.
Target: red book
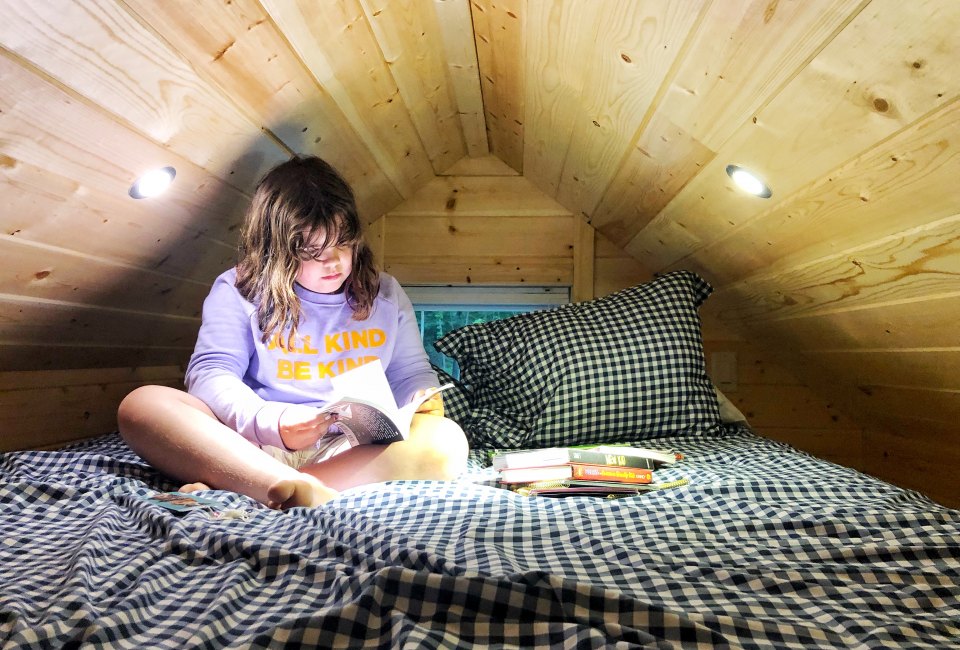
(577, 471)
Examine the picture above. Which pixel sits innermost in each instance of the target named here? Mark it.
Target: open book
(367, 413)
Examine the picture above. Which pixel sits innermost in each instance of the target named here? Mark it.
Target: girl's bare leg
(436, 449)
(179, 435)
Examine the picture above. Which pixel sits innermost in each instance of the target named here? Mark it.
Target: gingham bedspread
(766, 548)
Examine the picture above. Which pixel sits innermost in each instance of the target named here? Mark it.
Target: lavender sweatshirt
(248, 383)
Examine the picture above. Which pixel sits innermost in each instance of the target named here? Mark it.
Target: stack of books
(609, 471)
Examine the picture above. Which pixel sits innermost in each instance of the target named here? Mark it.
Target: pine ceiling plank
(937, 405)
(48, 128)
(560, 38)
(406, 31)
(915, 263)
(44, 207)
(49, 356)
(340, 50)
(109, 58)
(484, 237)
(744, 51)
(531, 270)
(478, 196)
(772, 405)
(50, 322)
(915, 324)
(655, 170)
(29, 379)
(488, 165)
(636, 46)
(882, 72)
(902, 182)
(238, 48)
(498, 32)
(456, 30)
(741, 53)
(37, 270)
(926, 368)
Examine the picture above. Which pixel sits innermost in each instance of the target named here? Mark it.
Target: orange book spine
(611, 473)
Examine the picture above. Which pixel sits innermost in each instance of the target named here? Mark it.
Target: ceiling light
(153, 183)
(748, 181)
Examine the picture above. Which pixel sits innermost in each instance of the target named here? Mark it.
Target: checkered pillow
(456, 400)
(619, 368)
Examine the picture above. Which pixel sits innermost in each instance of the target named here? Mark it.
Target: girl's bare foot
(194, 487)
(306, 491)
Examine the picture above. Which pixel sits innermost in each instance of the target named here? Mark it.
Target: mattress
(765, 547)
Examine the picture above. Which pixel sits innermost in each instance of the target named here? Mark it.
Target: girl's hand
(433, 406)
(302, 426)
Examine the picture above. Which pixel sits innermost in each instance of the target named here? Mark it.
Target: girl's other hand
(433, 406)
(302, 426)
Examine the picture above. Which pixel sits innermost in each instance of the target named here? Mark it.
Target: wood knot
(451, 203)
(42, 274)
(881, 105)
(623, 55)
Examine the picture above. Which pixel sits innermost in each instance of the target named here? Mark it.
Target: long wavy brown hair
(292, 203)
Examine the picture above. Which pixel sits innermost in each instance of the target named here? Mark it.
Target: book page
(368, 382)
(366, 409)
(365, 424)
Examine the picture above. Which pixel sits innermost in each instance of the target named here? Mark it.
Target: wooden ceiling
(625, 112)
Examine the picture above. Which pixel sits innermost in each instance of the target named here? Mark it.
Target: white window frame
(431, 297)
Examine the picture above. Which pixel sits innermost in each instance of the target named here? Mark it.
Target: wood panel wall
(849, 109)
(625, 116)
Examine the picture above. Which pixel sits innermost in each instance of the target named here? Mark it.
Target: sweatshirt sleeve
(409, 369)
(220, 360)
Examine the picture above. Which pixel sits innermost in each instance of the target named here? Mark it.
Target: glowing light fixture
(153, 183)
(748, 181)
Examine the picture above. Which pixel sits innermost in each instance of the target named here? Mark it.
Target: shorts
(327, 447)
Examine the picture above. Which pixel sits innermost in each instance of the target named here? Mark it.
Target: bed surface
(766, 547)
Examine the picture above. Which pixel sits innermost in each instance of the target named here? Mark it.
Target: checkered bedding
(765, 548)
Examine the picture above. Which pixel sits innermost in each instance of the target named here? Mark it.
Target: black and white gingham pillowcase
(456, 400)
(616, 369)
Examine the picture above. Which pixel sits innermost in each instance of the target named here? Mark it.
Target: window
(443, 309)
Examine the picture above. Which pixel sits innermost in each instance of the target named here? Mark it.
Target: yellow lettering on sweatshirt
(298, 345)
(353, 340)
(301, 370)
(325, 369)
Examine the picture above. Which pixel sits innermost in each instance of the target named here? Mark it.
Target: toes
(280, 493)
(194, 487)
(294, 493)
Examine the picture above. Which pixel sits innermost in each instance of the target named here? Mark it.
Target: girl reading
(304, 303)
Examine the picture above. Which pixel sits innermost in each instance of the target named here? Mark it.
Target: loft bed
(766, 546)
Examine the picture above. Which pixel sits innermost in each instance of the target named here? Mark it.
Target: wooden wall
(626, 116)
(48, 409)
